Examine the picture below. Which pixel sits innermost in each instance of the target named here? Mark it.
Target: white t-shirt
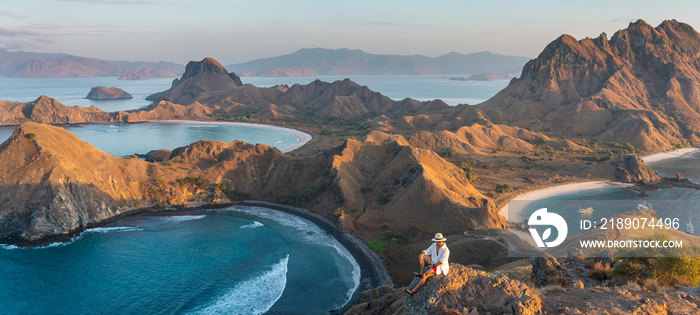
(440, 256)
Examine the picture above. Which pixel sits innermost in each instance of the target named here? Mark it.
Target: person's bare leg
(424, 259)
(425, 277)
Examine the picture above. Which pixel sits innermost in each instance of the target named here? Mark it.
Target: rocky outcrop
(637, 87)
(199, 77)
(463, 291)
(629, 169)
(107, 93)
(54, 183)
(48, 110)
(282, 72)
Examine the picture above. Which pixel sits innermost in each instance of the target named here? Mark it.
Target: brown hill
(637, 87)
(391, 185)
(209, 84)
(48, 110)
(106, 93)
(399, 187)
(199, 77)
(53, 182)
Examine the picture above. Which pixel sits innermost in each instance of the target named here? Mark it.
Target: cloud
(12, 15)
(14, 32)
(20, 38)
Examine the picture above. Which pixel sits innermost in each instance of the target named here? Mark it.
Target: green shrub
(503, 188)
(384, 199)
(30, 135)
(379, 244)
(447, 153)
(660, 264)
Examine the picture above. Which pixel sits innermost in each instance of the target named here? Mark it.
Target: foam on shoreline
(302, 137)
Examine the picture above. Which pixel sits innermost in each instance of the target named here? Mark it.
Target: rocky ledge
(463, 291)
(107, 93)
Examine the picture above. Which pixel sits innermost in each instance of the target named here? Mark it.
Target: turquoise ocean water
(682, 204)
(239, 260)
(127, 139)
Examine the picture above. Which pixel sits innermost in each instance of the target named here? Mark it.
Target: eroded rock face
(465, 288)
(639, 87)
(108, 93)
(199, 77)
(630, 169)
(463, 291)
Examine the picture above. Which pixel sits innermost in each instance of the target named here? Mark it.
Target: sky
(235, 31)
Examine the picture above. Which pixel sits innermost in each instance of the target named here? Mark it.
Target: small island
(107, 93)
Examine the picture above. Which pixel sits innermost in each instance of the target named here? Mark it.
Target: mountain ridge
(636, 87)
(356, 62)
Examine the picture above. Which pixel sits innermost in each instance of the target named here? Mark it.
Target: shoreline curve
(564, 189)
(302, 137)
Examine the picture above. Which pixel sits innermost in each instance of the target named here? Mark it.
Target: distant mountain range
(22, 64)
(305, 62)
(347, 62)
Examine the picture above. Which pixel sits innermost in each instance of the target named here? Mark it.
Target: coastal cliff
(54, 183)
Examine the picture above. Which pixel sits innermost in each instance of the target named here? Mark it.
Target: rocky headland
(107, 93)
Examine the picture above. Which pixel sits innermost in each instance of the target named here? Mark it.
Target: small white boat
(644, 206)
(585, 210)
(689, 228)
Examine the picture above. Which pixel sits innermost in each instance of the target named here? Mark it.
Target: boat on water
(588, 210)
(689, 228)
(644, 206)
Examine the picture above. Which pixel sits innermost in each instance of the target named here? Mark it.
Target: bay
(679, 204)
(239, 260)
(140, 138)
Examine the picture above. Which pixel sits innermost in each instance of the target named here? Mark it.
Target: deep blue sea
(239, 260)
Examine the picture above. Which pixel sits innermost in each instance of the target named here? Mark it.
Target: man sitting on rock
(436, 257)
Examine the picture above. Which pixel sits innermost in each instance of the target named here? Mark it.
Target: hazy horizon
(235, 31)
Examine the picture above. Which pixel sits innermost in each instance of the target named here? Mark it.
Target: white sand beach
(514, 214)
(668, 155)
(302, 137)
